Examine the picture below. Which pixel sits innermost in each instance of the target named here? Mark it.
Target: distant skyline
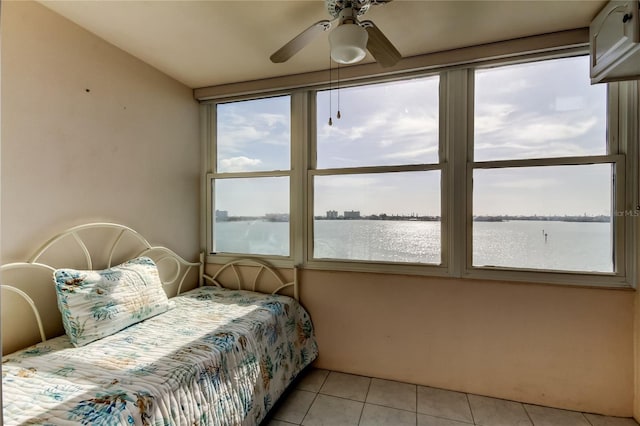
(533, 110)
(224, 215)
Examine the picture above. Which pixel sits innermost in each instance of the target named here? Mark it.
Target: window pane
(254, 135)
(390, 217)
(381, 124)
(538, 110)
(252, 216)
(553, 217)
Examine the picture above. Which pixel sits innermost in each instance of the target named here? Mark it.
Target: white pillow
(95, 304)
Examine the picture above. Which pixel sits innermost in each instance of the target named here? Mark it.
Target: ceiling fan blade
(379, 46)
(300, 41)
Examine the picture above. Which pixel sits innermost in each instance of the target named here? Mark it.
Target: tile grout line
(352, 400)
(385, 406)
(361, 413)
(416, 405)
(366, 396)
(324, 381)
(586, 418)
(309, 409)
(365, 400)
(371, 379)
(524, 407)
(315, 397)
(473, 418)
(447, 418)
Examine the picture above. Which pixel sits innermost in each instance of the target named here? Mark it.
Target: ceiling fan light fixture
(348, 43)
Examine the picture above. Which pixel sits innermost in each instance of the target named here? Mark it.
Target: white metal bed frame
(182, 267)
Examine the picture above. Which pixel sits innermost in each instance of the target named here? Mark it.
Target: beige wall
(551, 345)
(90, 133)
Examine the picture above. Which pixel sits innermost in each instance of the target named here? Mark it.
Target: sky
(544, 109)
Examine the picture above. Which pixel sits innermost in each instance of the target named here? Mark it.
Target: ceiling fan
(351, 37)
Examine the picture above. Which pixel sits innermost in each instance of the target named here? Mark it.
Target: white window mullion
(628, 112)
(619, 223)
(455, 198)
(310, 164)
(299, 164)
(541, 162)
(208, 161)
(445, 174)
(616, 145)
(232, 175)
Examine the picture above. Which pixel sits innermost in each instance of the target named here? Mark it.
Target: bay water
(536, 244)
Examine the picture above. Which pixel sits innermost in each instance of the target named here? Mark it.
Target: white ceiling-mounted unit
(614, 37)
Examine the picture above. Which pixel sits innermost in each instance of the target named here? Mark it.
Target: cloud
(536, 134)
(254, 134)
(491, 117)
(230, 135)
(381, 136)
(412, 154)
(346, 181)
(239, 164)
(271, 120)
(549, 128)
(243, 124)
(528, 184)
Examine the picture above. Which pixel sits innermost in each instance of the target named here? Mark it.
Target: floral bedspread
(220, 357)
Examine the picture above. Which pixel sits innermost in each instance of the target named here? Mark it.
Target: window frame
(456, 165)
(313, 171)
(620, 153)
(209, 111)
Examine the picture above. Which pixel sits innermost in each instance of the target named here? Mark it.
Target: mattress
(219, 357)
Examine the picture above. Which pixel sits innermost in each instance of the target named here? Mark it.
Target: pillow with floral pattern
(95, 304)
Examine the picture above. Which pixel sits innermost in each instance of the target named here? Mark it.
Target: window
(250, 184)
(518, 172)
(386, 217)
(377, 182)
(543, 174)
(539, 110)
(545, 217)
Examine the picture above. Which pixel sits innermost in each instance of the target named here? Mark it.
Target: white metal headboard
(30, 312)
(180, 265)
(260, 267)
(74, 233)
(36, 300)
(25, 296)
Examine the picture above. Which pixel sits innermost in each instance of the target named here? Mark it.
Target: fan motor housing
(360, 7)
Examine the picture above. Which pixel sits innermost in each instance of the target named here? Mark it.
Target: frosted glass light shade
(348, 43)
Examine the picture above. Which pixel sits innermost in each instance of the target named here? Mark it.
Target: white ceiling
(207, 43)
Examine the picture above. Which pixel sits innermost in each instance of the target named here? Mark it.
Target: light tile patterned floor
(329, 398)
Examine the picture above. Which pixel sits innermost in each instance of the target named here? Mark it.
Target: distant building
(222, 215)
(277, 217)
(352, 214)
(332, 214)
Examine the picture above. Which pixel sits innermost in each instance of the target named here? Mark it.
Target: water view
(537, 244)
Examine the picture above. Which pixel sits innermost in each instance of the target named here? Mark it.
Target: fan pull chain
(330, 110)
(338, 114)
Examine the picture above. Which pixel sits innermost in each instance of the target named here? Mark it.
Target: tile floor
(330, 398)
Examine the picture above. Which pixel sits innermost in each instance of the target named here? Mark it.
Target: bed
(221, 353)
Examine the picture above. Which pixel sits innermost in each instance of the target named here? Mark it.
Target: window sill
(571, 279)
